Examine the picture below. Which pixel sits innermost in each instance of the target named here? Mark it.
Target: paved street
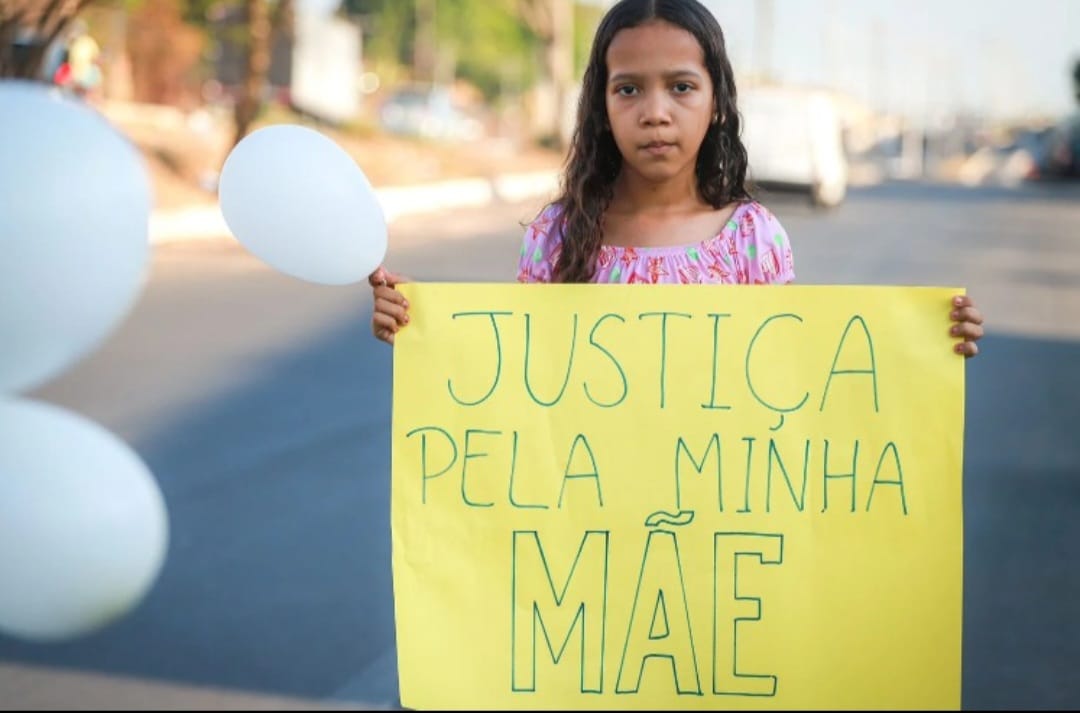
(262, 406)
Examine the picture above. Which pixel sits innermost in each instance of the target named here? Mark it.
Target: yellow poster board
(677, 497)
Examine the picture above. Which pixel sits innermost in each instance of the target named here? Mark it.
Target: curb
(204, 221)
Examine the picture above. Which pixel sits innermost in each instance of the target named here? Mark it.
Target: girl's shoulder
(762, 245)
(751, 221)
(754, 215)
(548, 223)
(541, 245)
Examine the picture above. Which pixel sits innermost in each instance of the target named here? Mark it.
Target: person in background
(80, 70)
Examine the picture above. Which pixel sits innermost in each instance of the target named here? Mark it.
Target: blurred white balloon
(74, 218)
(83, 526)
(300, 203)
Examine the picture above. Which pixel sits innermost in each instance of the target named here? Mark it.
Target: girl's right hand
(390, 306)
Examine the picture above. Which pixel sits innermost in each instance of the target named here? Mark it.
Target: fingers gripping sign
(967, 324)
(390, 308)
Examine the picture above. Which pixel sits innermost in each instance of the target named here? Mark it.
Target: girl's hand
(390, 306)
(968, 325)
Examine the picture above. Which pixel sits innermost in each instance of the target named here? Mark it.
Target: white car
(794, 139)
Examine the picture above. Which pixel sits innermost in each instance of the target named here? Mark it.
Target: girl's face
(659, 99)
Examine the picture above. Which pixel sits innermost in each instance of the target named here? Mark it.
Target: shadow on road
(1022, 526)
(278, 573)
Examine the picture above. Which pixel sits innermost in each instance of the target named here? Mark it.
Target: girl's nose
(654, 110)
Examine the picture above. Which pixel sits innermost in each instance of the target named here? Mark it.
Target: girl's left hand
(968, 325)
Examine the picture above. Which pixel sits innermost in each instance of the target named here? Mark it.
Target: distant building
(317, 71)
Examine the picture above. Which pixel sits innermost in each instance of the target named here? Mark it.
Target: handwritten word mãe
(664, 331)
(560, 615)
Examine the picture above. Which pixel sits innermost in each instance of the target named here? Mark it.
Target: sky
(919, 58)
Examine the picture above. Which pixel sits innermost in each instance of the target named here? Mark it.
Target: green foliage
(366, 7)
(586, 19)
(197, 12)
(487, 41)
(388, 26)
(492, 47)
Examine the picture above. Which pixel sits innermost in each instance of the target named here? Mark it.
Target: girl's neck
(634, 194)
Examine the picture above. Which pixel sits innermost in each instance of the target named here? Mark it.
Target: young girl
(655, 184)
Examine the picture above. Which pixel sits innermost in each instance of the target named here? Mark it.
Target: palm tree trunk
(256, 68)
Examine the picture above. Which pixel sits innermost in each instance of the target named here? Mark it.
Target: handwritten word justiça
(856, 331)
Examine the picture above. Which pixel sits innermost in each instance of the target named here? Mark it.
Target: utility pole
(561, 62)
(763, 32)
(1076, 81)
(830, 44)
(552, 21)
(878, 73)
(425, 41)
(256, 68)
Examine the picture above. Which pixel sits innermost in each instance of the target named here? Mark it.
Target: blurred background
(929, 90)
(899, 141)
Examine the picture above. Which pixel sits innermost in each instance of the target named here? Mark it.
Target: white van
(794, 139)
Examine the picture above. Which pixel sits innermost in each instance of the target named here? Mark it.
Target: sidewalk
(24, 687)
(184, 152)
(202, 221)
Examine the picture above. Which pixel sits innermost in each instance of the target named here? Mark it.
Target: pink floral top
(751, 249)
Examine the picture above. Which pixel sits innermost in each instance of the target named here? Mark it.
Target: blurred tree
(552, 22)
(440, 40)
(388, 26)
(199, 12)
(165, 52)
(263, 18)
(250, 94)
(426, 43)
(28, 28)
(586, 19)
(492, 44)
(485, 43)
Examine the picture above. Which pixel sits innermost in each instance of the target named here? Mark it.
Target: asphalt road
(262, 406)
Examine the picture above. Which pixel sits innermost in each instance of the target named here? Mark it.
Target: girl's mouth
(658, 148)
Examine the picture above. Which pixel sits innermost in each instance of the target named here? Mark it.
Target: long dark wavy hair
(593, 161)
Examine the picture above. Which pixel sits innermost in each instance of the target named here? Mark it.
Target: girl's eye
(626, 90)
(683, 88)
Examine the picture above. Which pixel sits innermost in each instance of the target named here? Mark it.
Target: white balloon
(83, 525)
(300, 203)
(75, 204)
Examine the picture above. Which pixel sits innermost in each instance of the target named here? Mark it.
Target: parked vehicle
(430, 113)
(794, 139)
(1059, 157)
